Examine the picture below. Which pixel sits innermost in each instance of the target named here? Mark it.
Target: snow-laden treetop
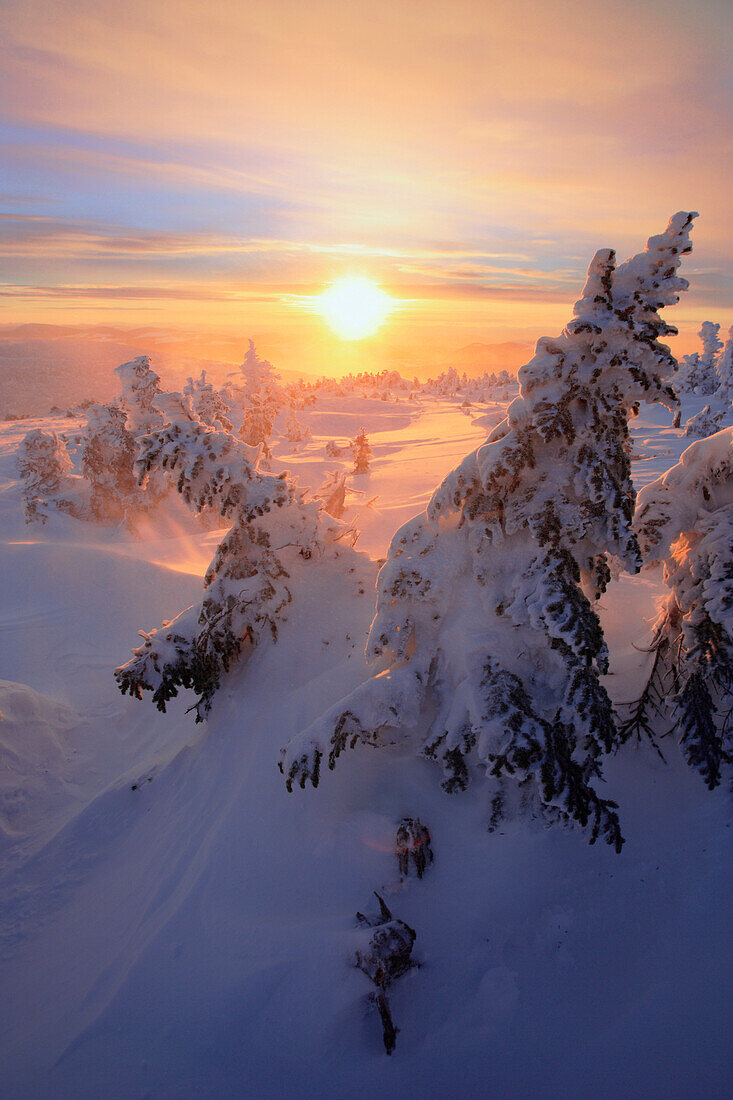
(487, 648)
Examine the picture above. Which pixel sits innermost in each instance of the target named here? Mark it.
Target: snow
(174, 923)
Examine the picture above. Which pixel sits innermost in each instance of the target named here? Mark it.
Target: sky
(207, 167)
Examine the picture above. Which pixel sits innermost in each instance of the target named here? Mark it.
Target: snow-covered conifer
(248, 584)
(486, 645)
(140, 387)
(704, 423)
(257, 376)
(685, 521)
(724, 368)
(385, 956)
(362, 453)
(294, 430)
(107, 459)
(208, 404)
(257, 387)
(711, 344)
(687, 377)
(413, 847)
(332, 449)
(257, 422)
(45, 470)
(448, 383)
(698, 374)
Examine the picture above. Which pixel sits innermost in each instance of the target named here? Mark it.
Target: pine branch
(650, 705)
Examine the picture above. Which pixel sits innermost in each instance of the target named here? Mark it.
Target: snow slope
(175, 924)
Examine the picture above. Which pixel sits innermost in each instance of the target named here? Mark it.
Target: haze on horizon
(205, 169)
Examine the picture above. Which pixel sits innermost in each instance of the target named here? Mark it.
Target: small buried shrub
(413, 846)
(386, 957)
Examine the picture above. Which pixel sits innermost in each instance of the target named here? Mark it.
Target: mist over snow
(43, 365)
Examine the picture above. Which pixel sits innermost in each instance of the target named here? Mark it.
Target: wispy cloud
(197, 154)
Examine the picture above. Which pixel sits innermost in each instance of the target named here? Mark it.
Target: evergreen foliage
(274, 532)
(140, 387)
(208, 404)
(107, 461)
(486, 645)
(362, 453)
(45, 470)
(685, 521)
(413, 847)
(698, 373)
(724, 368)
(296, 432)
(257, 377)
(704, 423)
(386, 957)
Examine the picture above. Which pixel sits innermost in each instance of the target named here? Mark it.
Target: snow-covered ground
(173, 923)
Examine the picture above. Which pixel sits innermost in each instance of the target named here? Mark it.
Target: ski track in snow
(173, 923)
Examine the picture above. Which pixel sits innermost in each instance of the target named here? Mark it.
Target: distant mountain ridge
(44, 364)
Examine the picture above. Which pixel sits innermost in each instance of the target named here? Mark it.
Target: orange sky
(201, 166)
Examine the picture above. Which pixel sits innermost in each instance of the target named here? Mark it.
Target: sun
(354, 307)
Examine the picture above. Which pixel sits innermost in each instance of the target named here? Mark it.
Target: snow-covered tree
(333, 494)
(724, 368)
(704, 423)
(107, 461)
(248, 584)
(385, 956)
(45, 470)
(698, 374)
(685, 521)
(140, 387)
(711, 344)
(256, 387)
(294, 430)
(208, 404)
(689, 377)
(257, 377)
(486, 645)
(257, 422)
(362, 452)
(332, 449)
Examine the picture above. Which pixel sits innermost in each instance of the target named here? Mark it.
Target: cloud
(136, 293)
(189, 151)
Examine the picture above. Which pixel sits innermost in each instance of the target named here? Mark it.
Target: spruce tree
(209, 404)
(698, 374)
(140, 387)
(486, 644)
(257, 377)
(711, 346)
(724, 368)
(362, 453)
(684, 520)
(295, 432)
(107, 460)
(704, 423)
(257, 423)
(45, 469)
(274, 532)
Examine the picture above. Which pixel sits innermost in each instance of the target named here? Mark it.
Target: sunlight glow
(354, 307)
